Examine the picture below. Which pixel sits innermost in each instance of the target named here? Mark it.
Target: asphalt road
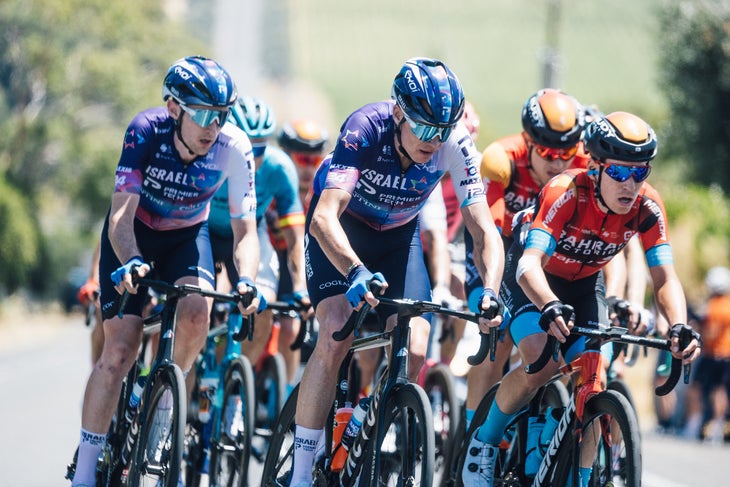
(44, 363)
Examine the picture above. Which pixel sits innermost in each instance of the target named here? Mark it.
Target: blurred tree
(695, 70)
(72, 75)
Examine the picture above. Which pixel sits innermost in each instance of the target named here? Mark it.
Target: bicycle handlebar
(181, 290)
(297, 308)
(411, 308)
(621, 335)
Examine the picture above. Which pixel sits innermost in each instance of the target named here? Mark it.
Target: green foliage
(19, 239)
(695, 72)
(72, 75)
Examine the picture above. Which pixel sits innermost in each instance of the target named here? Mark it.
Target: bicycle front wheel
(611, 438)
(404, 450)
(230, 452)
(440, 389)
(280, 456)
(157, 454)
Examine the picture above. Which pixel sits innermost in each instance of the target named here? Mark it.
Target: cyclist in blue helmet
(277, 204)
(173, 160)
(388, 158)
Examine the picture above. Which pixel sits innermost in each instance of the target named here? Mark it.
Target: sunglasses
(306, 160)
(258, 150)
(622, 173)
(426, 133)
(204, 118)
(551, 154)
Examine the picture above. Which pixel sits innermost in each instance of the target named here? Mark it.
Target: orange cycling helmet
(621, 136)
(553, 119)
(303, 136)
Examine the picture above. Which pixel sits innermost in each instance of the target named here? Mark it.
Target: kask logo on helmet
(183, 73)
(412, 85)
(536, 113)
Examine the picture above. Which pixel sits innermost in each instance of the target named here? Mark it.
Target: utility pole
(551, 52)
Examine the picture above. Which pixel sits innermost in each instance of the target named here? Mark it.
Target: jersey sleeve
(356, 140)
(653, 228)
(557, 203)
(496, 165)
(136, 149)
(288, 204)
(463, 160)
(241, 182)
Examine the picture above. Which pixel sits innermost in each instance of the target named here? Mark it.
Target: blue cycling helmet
(197, 80)
(429, 93)
(621, 136)
(254, 116)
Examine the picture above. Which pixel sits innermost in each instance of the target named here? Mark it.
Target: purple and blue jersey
(176, 195)
(365, 163)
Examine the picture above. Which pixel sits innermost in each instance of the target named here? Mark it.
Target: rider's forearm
(670, 297)
(488, 248)
(245, 247)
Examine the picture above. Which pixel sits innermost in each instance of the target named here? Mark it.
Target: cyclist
(514, 169)
(305, 142)
(367, 194)
(582, 218)
(173, 160)
(276, 181)
(88, 295)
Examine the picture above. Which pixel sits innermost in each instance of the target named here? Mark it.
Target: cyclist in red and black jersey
(582, 219)
(514, 169)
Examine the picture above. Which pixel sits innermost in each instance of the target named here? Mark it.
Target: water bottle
(535, 425)
(437, 404)
(543, 438)
(355, 423)
(134, 398)
(342, 418)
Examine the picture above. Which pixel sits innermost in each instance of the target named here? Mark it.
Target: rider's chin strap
(178, 131)
(400, 142)
(597, 189)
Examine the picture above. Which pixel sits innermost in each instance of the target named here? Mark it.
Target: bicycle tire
(151, 456)
(441, 392)
(231, 450)
(607, 406)
(403, 453)
(270, 381)
(280, 456)
(620, 386)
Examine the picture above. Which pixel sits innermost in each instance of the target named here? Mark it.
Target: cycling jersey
(510, 187)
(174, 194)
(276, 180)
(580, 238)
(365, 163)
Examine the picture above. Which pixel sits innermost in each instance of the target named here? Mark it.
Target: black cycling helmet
(303, 136)
(197, 80)
(553, 119)
(621, 136)
(429, 93)
(254, 116)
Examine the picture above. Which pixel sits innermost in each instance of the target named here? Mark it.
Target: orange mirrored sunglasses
(304, 159)
(551, 154)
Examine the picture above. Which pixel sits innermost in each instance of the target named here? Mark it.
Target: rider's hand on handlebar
(441, 294)
(359, 279)
(122, 277)
(302, 297)
(692, 350)
(88, 292)
(251, 300)
(557, 319)
(624, 314)
(491, 310)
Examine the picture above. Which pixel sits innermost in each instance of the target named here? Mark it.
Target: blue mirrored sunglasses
(427, 133)
(205, 117)
(621, 173)
(258, 150)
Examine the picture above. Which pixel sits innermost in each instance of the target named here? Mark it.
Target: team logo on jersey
(351, 140)
(420, 185)
(130, 138)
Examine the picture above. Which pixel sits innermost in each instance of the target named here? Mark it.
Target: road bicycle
(598, 426)
(148, 449)
(395, 445)
(220, 423)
